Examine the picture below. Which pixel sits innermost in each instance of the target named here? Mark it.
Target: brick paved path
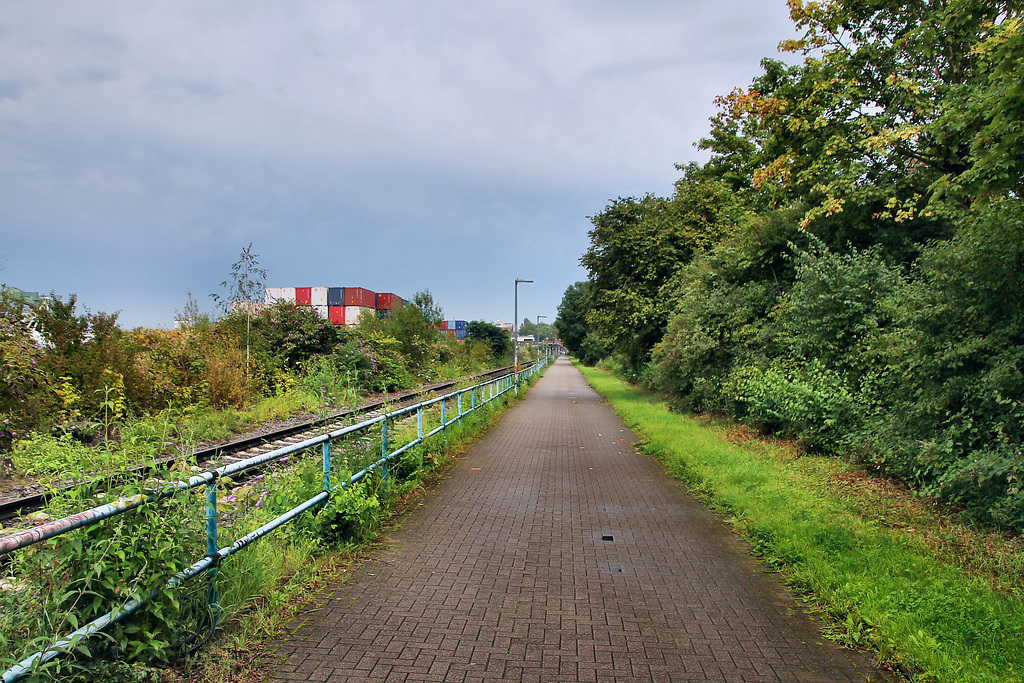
(555, 552)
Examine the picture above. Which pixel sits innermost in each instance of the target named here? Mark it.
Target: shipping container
(461, 334)
(443, 326)
(275, 294)
(336, 314)
(386, 301)
(335, 296)
(322, 311)
(318, 296)
(359, 296)
(352, 313)
(451, 333)
(303, 296)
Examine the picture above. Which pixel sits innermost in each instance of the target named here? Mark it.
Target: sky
(398, 145)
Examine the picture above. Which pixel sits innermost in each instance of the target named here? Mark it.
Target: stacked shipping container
(455, 328)
(340, 305)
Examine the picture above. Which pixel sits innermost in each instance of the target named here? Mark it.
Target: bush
(721, 316)
(28, 393)
(804, 400)
(954, 388)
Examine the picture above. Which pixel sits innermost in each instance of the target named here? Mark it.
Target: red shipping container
(357, 296)
(304, 296)
(386, 301)
(444, 325)
(336, 314)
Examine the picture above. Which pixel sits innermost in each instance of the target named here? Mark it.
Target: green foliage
(636, 248)
(845, 269)
(294, 334)
(246, 283)
(46, 455)
(955, 384)
(86, 573)
(87, 348)
(574, 331)
(497, 339)
(28, 393)
(805, 400)
(351, 515)
(723, 303)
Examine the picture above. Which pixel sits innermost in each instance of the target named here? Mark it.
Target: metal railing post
(384, 451)
(444, 422)
(212, 596)
(460, 411)
(419, 429)
(327, 465)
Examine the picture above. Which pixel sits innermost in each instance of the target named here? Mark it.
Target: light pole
(536, 339)
(515, 332)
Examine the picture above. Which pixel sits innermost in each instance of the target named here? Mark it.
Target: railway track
(16, 505)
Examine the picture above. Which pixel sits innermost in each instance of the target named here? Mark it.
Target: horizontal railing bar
(46, 531)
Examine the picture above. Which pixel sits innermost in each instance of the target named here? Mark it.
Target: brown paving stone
(553, 551)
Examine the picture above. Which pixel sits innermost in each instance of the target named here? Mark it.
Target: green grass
(877, 587)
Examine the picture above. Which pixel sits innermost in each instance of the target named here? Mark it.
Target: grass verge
(926, 615)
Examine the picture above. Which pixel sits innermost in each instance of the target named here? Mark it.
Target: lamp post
(537, 338)
(515, 332)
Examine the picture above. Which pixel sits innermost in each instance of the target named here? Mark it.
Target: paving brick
(554, 551)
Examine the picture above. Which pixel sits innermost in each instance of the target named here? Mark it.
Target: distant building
(29, 298)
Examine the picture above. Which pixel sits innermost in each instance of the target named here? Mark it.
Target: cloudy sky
(398, 145)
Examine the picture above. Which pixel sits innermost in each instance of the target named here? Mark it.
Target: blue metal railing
(488, 392)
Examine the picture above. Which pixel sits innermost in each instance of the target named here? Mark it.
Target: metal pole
(515, 332)
(327, 465)
(212, 596)
(384, 451)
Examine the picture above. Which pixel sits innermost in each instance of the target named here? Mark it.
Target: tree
(855, 131)
(247, 281)
(415, 325)
(638, 245)
(494, 336)
(571, 322)
(190, 317)
(572, 327)
(247, 286)
(86, 351)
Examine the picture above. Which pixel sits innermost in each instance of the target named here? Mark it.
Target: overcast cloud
(398, 145)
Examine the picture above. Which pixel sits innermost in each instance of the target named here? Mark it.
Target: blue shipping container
(335, 296)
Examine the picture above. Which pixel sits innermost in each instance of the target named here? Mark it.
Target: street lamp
(537, 338)
(515, 332)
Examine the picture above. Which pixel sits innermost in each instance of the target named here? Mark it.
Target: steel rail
(12, 508)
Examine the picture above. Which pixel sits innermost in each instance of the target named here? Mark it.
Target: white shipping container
(318, 297)
(322, 310)
(352, 313)
(275, 294)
